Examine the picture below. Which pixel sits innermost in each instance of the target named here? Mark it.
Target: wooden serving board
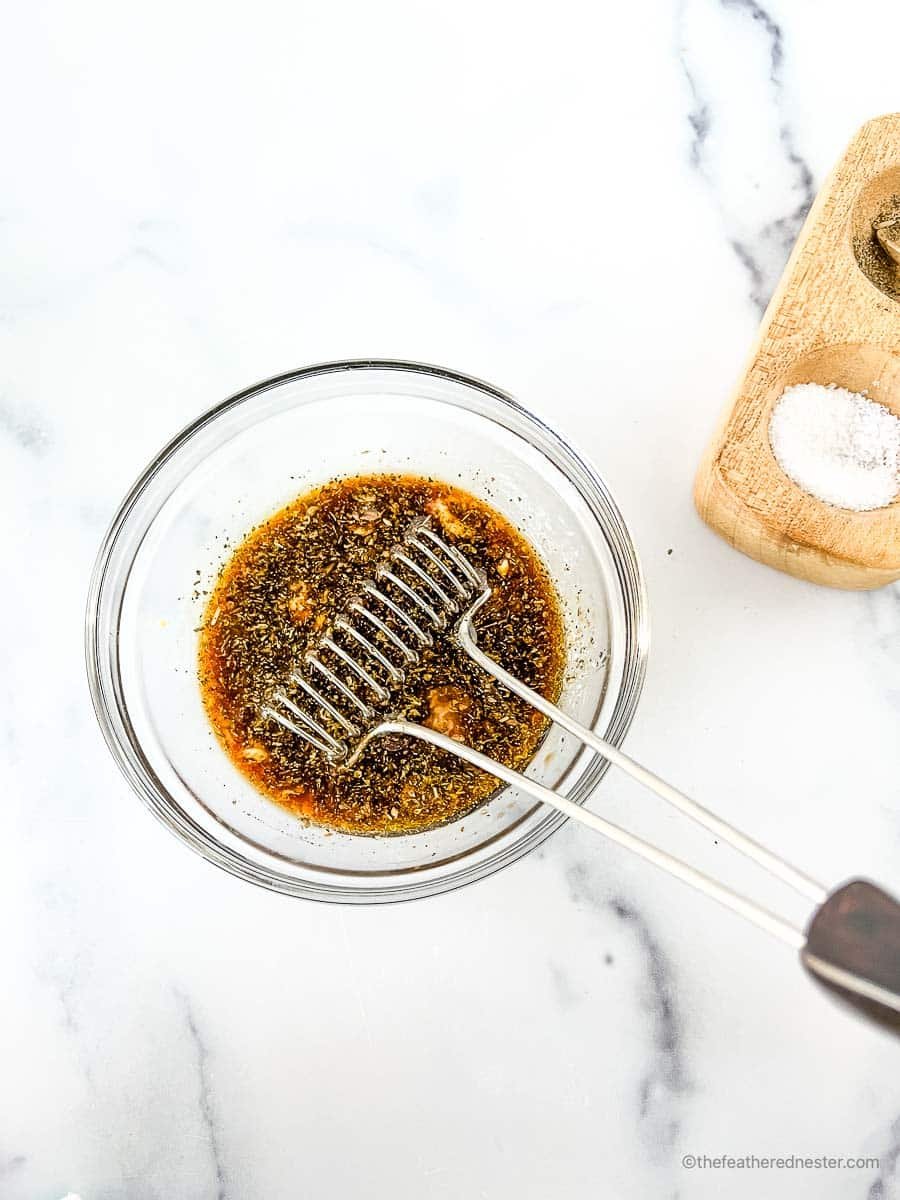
(834, 319)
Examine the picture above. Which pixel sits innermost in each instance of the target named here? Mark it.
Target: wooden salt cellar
(834, 319)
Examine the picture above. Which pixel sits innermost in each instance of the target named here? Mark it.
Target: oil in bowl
(278, 596)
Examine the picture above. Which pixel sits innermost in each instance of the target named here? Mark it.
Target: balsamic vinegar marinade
(278, 595)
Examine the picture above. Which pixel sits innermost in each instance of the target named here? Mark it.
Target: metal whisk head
(421, 588)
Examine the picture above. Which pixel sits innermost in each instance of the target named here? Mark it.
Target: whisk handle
(773, 863)
(853, 942)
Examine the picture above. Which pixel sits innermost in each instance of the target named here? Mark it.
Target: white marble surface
(195, 196)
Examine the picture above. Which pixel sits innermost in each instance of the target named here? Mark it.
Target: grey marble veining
(23, 427)
(884, 1186)
(205, 1100)
(761, 240)
(665, 1077)
(587, 206)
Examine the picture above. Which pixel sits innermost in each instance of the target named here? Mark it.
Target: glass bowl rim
(129, 757)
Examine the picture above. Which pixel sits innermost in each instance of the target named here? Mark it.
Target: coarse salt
(838, 445)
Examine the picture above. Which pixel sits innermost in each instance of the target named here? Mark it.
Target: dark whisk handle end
(853, 944)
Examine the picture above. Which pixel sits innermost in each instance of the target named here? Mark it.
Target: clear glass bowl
(246, 458)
